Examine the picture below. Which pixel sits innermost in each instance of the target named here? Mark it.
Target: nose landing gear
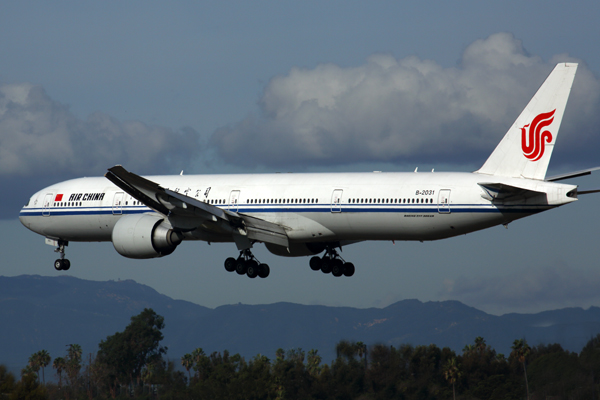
(61, 264)
(331, 262)
(247, 264)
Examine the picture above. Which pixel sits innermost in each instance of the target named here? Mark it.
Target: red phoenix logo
(534, 142)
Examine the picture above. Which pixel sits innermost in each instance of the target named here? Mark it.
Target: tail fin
(526, 148)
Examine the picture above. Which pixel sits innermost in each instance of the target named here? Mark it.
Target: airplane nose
(23, 219)
(25, 215)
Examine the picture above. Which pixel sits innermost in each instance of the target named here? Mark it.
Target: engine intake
(144, 236)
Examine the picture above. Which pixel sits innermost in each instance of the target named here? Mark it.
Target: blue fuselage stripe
(392, 208)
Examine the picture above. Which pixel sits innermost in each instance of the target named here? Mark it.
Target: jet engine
(296, 249)
(144, 236)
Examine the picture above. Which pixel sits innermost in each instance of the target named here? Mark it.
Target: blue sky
(224, 87)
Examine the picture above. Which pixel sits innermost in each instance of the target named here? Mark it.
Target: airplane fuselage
(321, 207)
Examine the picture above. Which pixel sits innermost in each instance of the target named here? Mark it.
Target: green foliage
(28, 389)
(7, 382)
(124, 355)
(129, 364)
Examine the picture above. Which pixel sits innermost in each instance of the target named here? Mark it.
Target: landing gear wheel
(241, 267)
(230, 264)
(66, 265)
(247, 264)
(349, 269)
(252, 269)
(338, 268)
(263, 270)
(315, 263)
(58, 265)
(326, 266)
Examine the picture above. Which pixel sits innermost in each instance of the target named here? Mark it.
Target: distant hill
(51, 312)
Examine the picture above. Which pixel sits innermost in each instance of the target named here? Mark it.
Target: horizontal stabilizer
(501, 192)
(569, 175)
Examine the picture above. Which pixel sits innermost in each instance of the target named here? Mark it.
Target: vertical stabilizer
(525, 150)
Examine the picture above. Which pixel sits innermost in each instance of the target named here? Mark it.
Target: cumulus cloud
(533, 289)
(42, 142)
(394, 110)
(40, 136)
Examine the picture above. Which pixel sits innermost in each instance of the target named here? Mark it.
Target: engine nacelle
(296, 249)
(144, 236)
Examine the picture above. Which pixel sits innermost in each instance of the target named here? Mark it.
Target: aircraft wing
(186, 213)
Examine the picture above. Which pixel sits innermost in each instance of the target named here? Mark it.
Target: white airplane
(307, 214)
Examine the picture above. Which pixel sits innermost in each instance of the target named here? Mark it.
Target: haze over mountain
(51, 312)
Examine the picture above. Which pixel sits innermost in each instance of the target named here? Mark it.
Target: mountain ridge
(52, 312)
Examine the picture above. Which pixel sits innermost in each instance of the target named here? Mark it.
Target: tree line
(132, 364)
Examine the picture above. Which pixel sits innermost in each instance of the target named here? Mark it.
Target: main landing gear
(247, 264)
(61, 264)
(331, 262)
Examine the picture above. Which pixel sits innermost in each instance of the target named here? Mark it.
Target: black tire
(315, 263)
(263, 270)
(338, 268)
(230, 264)
(349, 269)
(66, 265)
(241, 267)
(252, 269)
(58, 265)
(326, 266)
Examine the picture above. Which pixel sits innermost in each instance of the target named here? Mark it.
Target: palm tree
(73, 362)
(345, 349)
(74, 352)
(34, 364)
(43, 360)
(59, 365)
(188, 362)
(480, 345)
(197, 356)
(468, 349)
(361, 351)
(452, 373)
(313, 362)
(521, 350)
